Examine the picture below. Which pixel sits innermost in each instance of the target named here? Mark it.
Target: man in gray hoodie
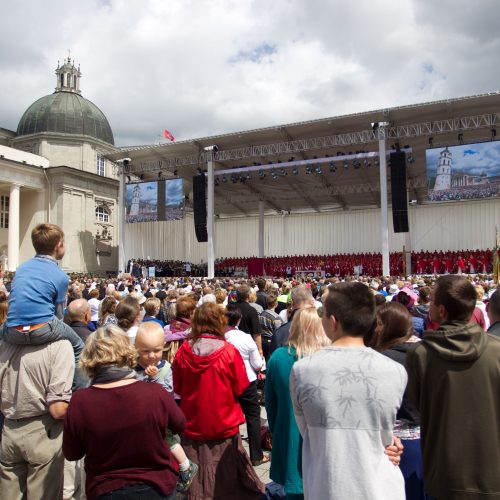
(454, 381)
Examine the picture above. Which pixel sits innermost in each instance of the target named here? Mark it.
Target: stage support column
(384, 228)
(210, 216)
(261, 229)
(122, 264)
(407, 255)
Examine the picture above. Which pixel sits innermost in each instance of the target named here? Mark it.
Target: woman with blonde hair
(132, 459)
(306, 337)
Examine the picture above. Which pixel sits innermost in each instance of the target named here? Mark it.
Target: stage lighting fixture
(261, 174)
(248, 176)
(243, 178)
(376, 162)
(356, 164)
(274, 175)
(295, 171)
(224, 179)
(346, 165)
(411, 159)
(176, 173)
(128, 178)
(292, 158)
(160, 174)
(216, 181)
(318, 169)
(460, 138)
(493, 133)
(283, 172)
(234, 179)
(308, 170)
(141, 177)
(214, 148)
(431, 141)
(366, 163)
(374, 126)
(332, 167)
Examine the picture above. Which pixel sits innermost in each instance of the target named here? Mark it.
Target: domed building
(53, 168)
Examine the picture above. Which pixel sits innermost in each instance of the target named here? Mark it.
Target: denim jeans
(137, 492)
(52, 331)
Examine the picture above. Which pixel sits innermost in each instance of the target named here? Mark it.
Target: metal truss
(317, 143)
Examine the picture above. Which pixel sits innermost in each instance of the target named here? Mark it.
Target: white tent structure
(317, 187)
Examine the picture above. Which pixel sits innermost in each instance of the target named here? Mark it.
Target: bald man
(79, 317)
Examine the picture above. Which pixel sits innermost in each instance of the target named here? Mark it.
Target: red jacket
(208, 387)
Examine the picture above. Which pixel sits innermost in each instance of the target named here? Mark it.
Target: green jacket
(454, 380)
(286, 458)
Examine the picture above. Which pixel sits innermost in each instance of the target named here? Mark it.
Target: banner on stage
(155, 201)
(464, 172)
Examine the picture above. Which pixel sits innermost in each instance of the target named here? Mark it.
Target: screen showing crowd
(155, 201)
(464, 172)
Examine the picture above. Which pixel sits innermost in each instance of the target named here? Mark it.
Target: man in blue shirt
(38, 295)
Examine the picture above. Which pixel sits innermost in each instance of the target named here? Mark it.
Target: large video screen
(465, 172)
(141, 202)
(174, 199)
(153, 201)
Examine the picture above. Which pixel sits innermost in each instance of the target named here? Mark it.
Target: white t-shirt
(248, 350)
(94, 304)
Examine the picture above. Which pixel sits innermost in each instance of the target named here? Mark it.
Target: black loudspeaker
(398, 191)
(200, 207)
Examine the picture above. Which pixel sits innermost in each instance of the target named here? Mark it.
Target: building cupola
(68, 77)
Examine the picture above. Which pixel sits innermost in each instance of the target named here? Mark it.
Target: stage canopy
(345, 175)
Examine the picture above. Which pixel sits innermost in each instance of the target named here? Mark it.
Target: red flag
(168, 135)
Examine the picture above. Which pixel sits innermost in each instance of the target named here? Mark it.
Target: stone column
(13, 240)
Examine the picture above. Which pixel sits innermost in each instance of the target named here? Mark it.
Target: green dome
(65, 113)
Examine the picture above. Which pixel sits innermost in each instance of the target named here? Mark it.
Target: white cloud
(203, 67)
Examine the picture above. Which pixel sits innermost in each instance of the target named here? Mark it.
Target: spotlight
(160, 174)
(128, 178)
(318, 169)
(356, 164)
(261, 174)
(493, 133)
(243, 178)
(292, 158)
(376, 162)
(213, 148)
(308, 170)
(374, 126)
(295, 171)
(176, 173)
(460, 138)
(216, 181)
(234, 179)
(274, 175)
(141, 177)
(283, 172)
(224, 179)
(366, 163)
(411, 159)
(431, 141)
(332, 167)
(346, 165)
(248, 176)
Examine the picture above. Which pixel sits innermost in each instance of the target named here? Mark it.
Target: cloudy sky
(201, 67)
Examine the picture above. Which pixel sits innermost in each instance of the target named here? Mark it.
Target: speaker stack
(399, 192)
(200, 207)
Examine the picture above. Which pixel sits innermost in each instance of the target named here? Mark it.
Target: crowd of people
(134, 387)
(341, 265)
